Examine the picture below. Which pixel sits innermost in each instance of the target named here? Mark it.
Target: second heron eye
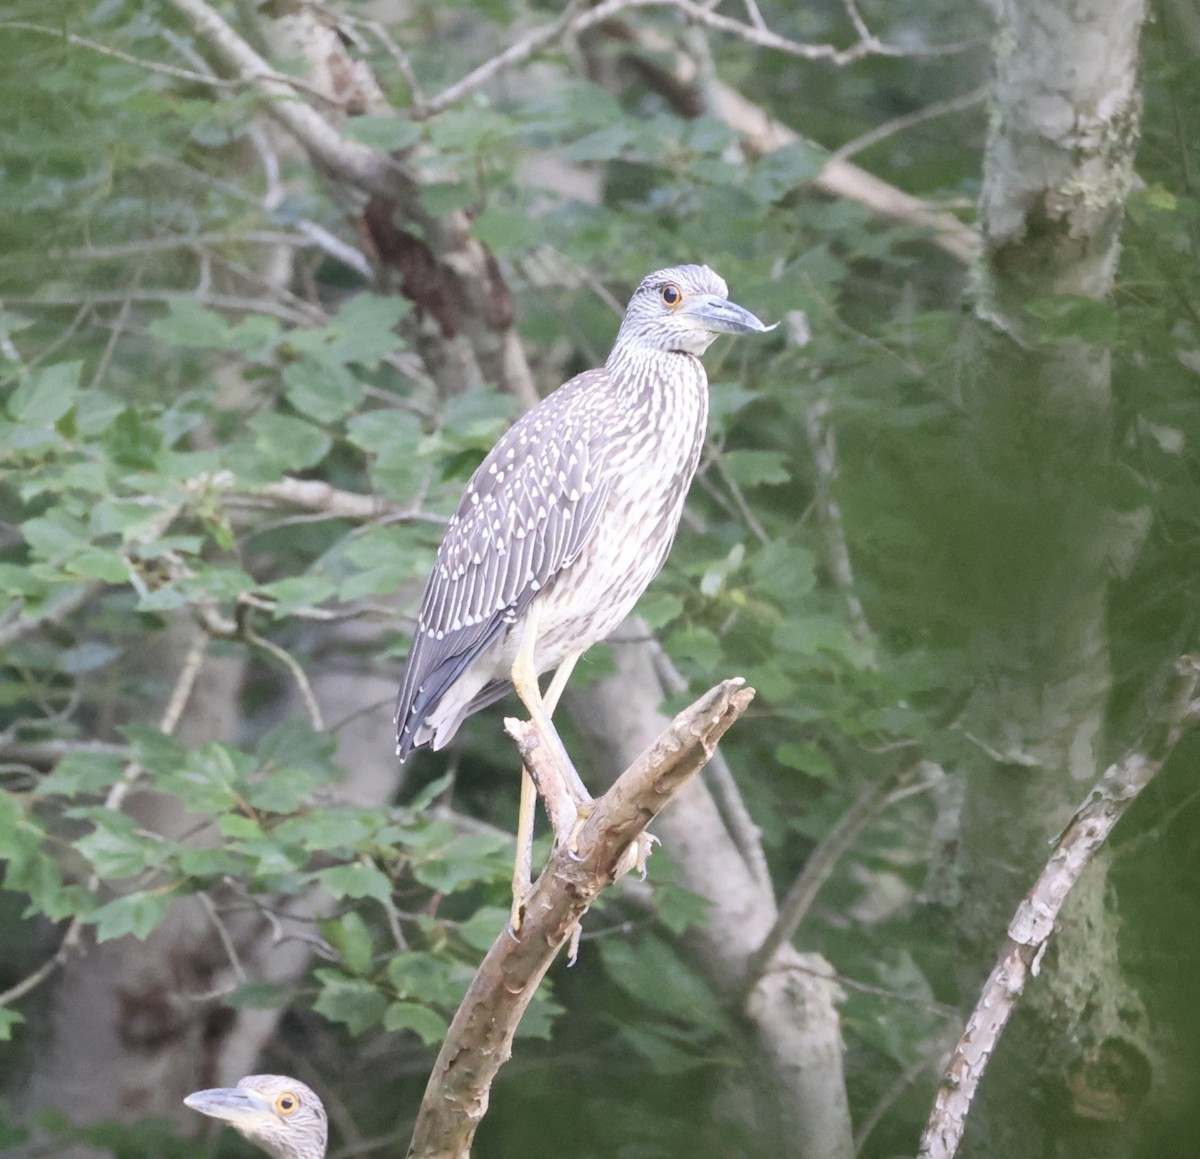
(671, 295)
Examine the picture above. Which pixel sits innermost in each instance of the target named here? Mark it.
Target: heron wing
(526, 515)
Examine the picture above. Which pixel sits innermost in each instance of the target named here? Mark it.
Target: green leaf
(697, 644)
(20, 581)
(782, 171)
(137, 913)
(784, 570)
(293, 743)
(189, 324)
(392, 437)
(462, 861)
(715, 575)
(1074, 316)
(427, 978)
(655, 975)
(362, 331)
(429, 1026)
(44, 396)
(350, 1001)
(334, 827)
(808, 757)
(295, 443)
(97, 564)
(756, 468)
(659, 608)
(350, 936)
(604, 144)
(356, 880)
(8, 1019)
(326, 391)
(299, 591)
(390, 133)
(55, 536)
(482, 928)
(115, 848)
(439, 197)
(96, 411)
(503, 230)
(82, 773)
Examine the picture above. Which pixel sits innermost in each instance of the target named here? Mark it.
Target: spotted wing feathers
(526, 514)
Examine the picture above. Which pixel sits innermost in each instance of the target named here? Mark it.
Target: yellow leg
(561, 676)
(525, 681)
(523, 864)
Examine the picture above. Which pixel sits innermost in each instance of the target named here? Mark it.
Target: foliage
(159, 387)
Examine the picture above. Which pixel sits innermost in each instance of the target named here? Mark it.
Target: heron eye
(286, 1103)
(671, 295)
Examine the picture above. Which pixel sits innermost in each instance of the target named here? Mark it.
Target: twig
(368, 168)
(1033, 924)
(932, 1053)
(315, 495)
(223, 933)
(180, 694)
(232, 302)
(187, 74)
(299, 676)
(572, 22)
(919, 117)
(762, 134)
(481, 1035)
(746, 835)
(53, 613)
(118, 329)
(829, 851)
(823, 449)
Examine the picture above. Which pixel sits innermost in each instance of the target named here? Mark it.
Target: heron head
(279, 1114)
(683, 308)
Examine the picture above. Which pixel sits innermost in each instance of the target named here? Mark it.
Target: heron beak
(231, 1105)
(722, 316)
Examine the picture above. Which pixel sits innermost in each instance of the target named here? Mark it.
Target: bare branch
(370, 169)
(572, 22)
(315, 495)
(187, 74)
(761, 134)
(481, 1035)
(315, 719)
(918, 117)
(1033, 924)
(832, 848)
(169, 721)
(232, 302)
(745, 834)
(54, 612)
(823, 448)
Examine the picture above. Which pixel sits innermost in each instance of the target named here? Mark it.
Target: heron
(276, 1113)
(564, 524)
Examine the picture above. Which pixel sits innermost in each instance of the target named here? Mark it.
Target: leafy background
(161, 376)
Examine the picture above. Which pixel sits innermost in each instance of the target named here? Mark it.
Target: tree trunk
(1057, 171)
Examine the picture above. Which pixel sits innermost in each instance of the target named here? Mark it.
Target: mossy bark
(1064, 127)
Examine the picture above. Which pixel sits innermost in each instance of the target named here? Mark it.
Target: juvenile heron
(566, 522)
(279, 1114)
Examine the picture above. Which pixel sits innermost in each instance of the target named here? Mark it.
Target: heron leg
(562, 674)
(525, 681)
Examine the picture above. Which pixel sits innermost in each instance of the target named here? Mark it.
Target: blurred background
(946, 525)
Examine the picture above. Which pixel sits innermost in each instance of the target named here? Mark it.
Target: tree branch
(573, 22)
(370, 169)
(803, 891)
(481, 1035)
(1032, 925)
